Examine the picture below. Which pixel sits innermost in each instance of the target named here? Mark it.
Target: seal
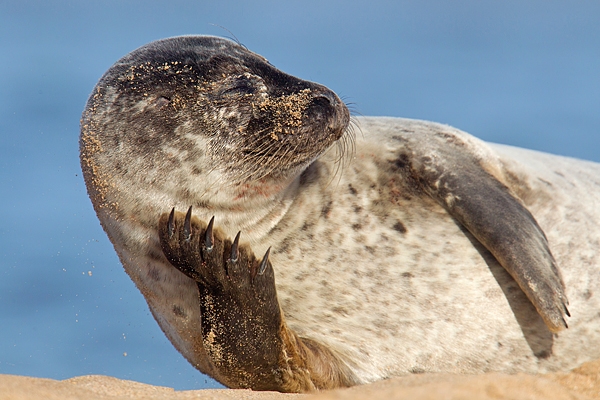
(411, 248)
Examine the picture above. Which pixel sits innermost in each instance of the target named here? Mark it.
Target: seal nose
(328, 107)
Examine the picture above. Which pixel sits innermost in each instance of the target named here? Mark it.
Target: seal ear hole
(240, 85)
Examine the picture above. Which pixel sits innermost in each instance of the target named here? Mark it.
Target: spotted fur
(427, 251)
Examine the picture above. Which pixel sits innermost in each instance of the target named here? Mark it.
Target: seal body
(422, 250)
(413, 291)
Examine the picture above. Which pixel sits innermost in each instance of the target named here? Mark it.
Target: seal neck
(254, 207)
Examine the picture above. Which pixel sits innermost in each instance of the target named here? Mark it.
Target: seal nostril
(330, 97)
(321, 102)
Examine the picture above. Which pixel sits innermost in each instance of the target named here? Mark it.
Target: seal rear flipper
(451, 167)
(243, 329)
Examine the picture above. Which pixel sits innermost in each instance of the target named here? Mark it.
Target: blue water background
(519, 72)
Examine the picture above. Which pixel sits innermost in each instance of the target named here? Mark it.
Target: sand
(581, 383)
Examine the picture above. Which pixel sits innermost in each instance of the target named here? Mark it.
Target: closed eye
(240, 85)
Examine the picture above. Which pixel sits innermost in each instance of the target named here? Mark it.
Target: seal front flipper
(243, 329)
(453, 169)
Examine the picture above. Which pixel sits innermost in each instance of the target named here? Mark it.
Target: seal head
(217, 106)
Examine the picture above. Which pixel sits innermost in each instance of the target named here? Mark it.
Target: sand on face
(581, 383)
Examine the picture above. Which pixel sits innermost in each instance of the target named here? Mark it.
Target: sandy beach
(581, 383)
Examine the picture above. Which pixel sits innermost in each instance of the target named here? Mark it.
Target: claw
(263, 263)
(567, 311)
(209, 240)
(171, 223)
(235, 251)
(187, 225)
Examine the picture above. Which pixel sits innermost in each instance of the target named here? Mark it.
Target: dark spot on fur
(402, 162)
(285, 245)
(586, 295)
(402, 139)
(301, 277)
(399, 226)
(177, 310)
(357, 227)
(196, 170)
(417, 370)
(357, 209)
(307, 226)
(352, 190)
(340, 310)
(407, 275)
(154, 274)
(184, 193)
(370, 249)
(202, 204)
(156, 256)
(545, 182)
(326, 209)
